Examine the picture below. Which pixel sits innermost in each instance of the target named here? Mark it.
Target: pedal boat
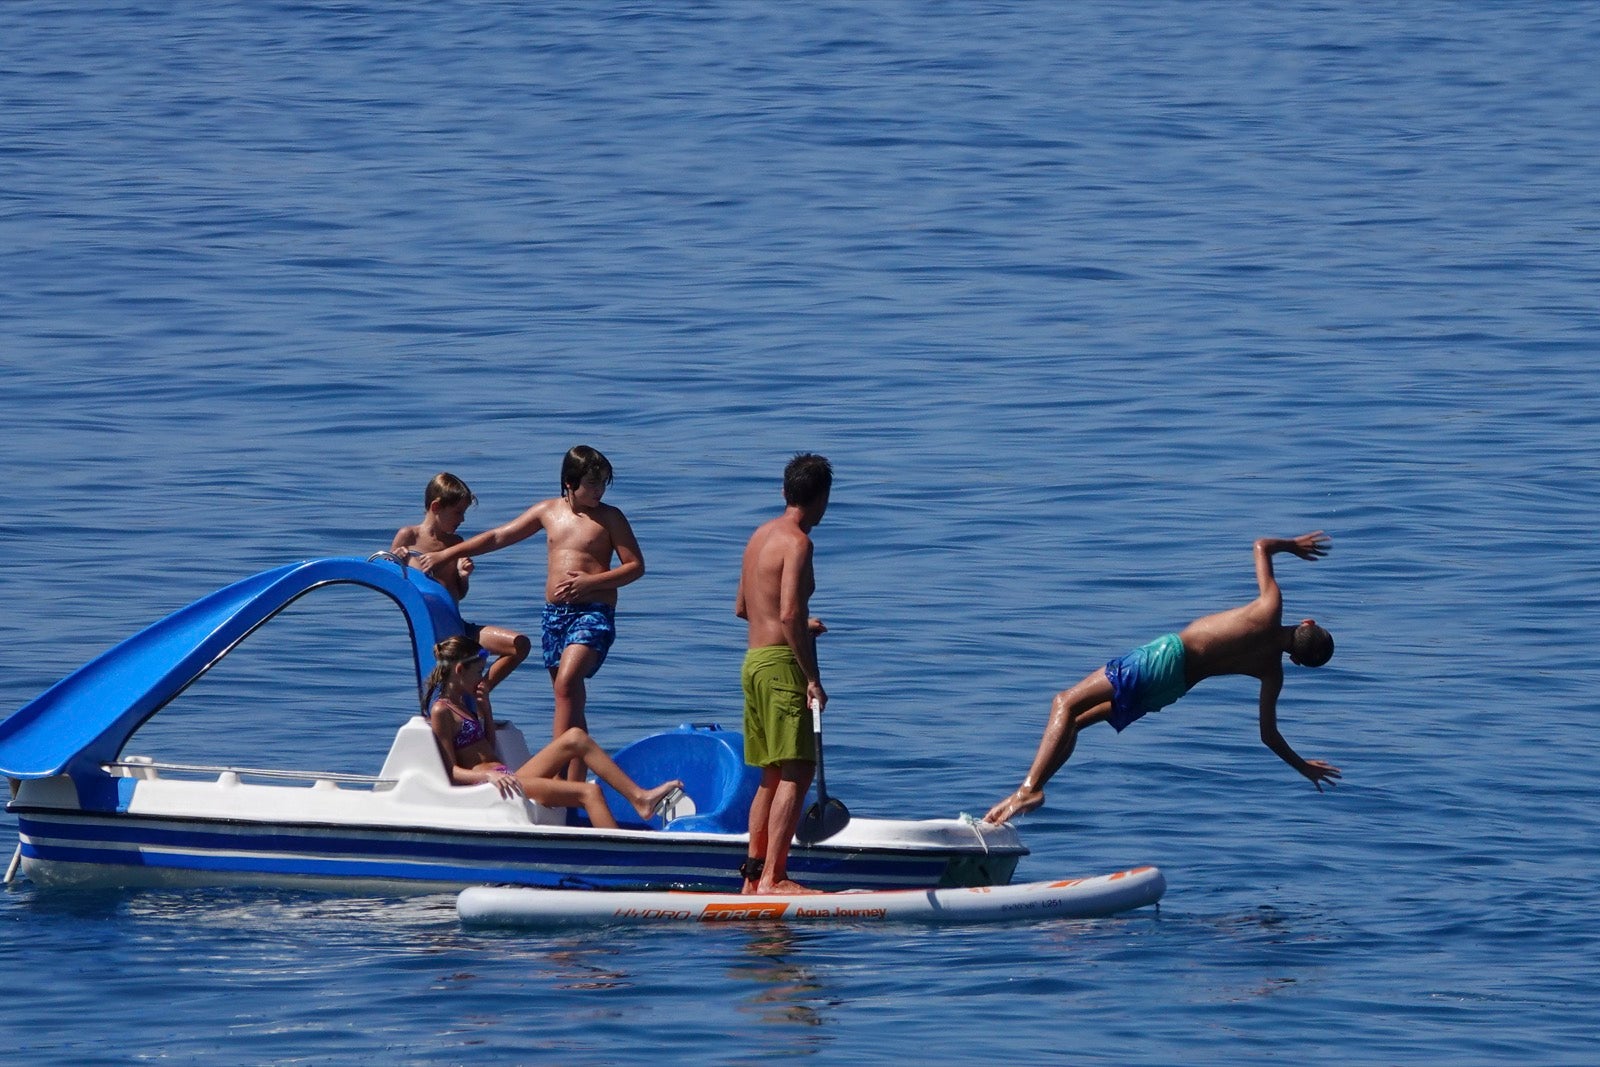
(88, 814)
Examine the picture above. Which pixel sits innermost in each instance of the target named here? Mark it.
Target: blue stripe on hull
(135, 842)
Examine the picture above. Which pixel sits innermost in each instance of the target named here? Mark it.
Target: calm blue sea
(1079, 298)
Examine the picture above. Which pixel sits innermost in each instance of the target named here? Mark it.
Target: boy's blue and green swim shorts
(1145, 680)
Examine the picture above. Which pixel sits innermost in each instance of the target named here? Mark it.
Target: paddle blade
(822, 820)
(828, 815)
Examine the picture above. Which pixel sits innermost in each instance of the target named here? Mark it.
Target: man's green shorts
(777, 723)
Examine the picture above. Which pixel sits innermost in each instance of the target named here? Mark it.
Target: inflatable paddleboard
(1072, 898)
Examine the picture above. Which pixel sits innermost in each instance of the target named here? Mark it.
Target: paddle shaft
(822, 778)
(816, 726)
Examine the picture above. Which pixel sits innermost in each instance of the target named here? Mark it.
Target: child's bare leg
(576, 746)
(551, 761)
(644, 801)
(560, 793)
(1084, 704)
(567, 680)
(510, 649)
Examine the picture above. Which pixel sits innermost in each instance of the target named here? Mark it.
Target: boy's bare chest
(578, 532)
(433, 542)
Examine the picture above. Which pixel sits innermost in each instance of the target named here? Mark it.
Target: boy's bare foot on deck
(786, 888)
(646, 804)
(1021, 802)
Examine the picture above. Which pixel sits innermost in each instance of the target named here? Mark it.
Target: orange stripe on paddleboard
(732, 912)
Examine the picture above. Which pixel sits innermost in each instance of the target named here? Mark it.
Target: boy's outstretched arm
(1318, 771)
(1313, 545)
(518, 529)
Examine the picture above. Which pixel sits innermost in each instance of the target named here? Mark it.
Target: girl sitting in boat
(463, 726)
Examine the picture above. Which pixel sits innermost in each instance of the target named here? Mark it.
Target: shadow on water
(784, 992)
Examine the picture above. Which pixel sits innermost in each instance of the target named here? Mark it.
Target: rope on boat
(977, 831)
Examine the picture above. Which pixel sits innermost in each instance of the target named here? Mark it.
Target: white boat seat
(511, 746)
(415, 752)
(415, 749)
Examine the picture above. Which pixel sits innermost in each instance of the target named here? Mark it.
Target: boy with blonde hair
(444, 507)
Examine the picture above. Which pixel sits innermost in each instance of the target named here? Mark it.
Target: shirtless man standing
(780, 676)
(584, 534)
(1249, 640)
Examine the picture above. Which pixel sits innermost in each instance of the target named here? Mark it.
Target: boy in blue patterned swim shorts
(591, 626)
(585, 535)
(1250, 640)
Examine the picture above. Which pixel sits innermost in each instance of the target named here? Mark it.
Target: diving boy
(584, 535)
(445, 502)
(1249, 640)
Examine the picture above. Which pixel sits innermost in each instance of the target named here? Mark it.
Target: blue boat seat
(709, 759)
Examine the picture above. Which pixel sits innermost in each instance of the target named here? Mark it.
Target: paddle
(828, 815)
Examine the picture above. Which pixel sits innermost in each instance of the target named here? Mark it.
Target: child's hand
(1311, 545)
(464, 566)
(1320, 771)
(572, 587)
(506, 782)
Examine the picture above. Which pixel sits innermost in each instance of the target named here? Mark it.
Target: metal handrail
(257, 772)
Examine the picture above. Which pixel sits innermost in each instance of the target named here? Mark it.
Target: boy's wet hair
(448, 490)
(807, 479)
(582, 462)
(1311, 645)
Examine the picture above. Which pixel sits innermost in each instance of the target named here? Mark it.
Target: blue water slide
(85, 719)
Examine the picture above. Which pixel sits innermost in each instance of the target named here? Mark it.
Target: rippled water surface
(1079, 300)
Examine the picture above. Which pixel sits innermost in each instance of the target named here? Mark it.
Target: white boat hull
(83, 849)
(410, 828)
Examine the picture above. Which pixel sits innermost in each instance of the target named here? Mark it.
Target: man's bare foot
(1021, 802)
(649, 799)
(785, 887)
